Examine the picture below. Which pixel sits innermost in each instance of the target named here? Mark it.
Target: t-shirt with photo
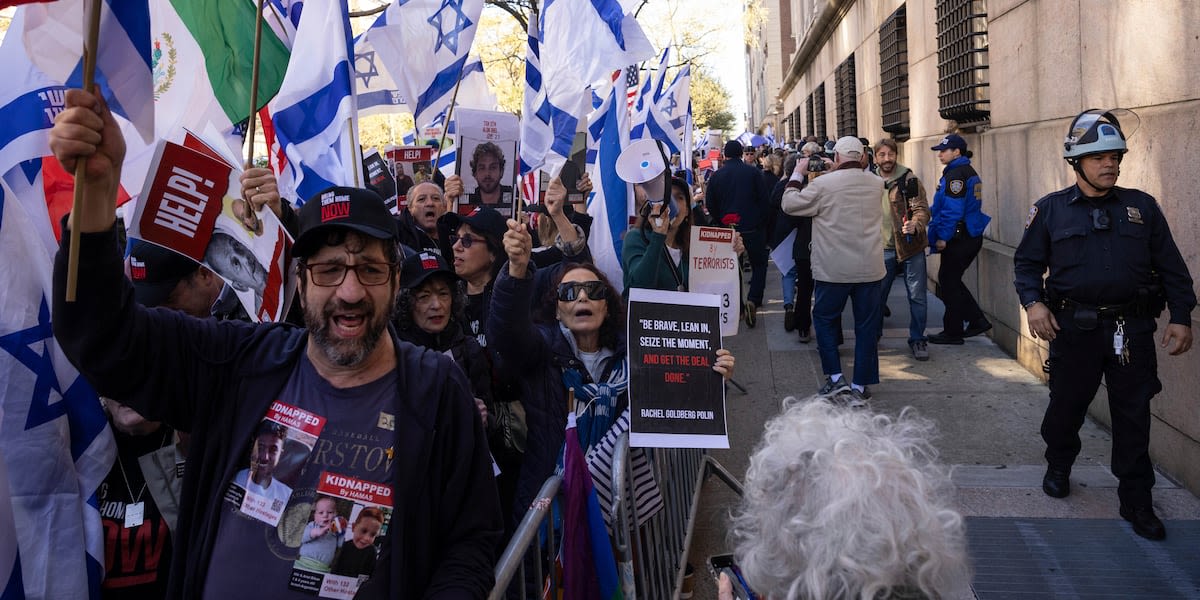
(356, 441)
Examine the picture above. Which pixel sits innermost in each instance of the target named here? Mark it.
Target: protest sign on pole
(713, 269)
(676, 399)
(487, 158)
(380, 179)
(191, 203)
(412, 165)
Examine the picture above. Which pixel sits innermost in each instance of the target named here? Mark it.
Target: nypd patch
(956, 186)
(1033, 210)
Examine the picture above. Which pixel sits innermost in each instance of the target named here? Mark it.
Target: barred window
(846, 98)
(963, 60)
(819, 128)
(893, 70)
(810, 105)
(797, 132)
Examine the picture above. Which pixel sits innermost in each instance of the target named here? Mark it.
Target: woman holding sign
(578, 343)
(655, 251)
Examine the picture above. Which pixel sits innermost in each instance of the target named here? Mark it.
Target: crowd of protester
(470, 337)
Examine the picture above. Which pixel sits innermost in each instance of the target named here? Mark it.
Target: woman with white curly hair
(846, 504)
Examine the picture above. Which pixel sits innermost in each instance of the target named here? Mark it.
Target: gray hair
(811, 148)
(843, 503)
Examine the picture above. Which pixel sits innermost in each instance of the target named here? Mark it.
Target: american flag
(631, 84)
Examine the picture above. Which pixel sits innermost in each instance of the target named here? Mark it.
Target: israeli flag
(424, 45)
(314, 113)
(610, 203)
(548, 126)
(54, 34)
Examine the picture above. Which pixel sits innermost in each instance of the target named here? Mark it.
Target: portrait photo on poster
(488, 171)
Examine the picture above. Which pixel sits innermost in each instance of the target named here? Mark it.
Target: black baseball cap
(352, 208)
(155, 271)
(485, 220)
(423, 265)
(951, 142)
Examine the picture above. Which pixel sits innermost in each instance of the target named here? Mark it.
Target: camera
(816, 164)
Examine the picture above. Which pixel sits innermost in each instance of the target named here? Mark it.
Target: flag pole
(89, 76)
(258, 25)
(449, 113)
(252, 120)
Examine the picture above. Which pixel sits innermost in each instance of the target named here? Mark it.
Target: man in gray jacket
(847, 262)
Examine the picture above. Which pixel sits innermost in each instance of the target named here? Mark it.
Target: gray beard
(343, 353)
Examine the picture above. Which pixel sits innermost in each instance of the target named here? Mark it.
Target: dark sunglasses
(467, 240)
(568, 291)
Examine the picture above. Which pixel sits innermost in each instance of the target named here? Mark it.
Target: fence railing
(651, 559)
(524, 551)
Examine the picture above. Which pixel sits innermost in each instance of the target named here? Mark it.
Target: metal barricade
(652, 559)
(523, 549)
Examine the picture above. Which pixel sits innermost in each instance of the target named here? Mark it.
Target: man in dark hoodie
(738, 197)
(371, 419)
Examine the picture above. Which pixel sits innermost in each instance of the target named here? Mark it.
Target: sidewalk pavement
(988, 409)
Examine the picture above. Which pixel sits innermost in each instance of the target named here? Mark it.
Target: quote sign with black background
(676, 400)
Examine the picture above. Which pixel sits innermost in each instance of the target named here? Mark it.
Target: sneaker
(973, 330)
(920, 350)
(857, 399)
(832, 388)
(789, 318)
(751, 314)
(942, 338)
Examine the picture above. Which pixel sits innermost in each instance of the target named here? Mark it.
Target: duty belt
(1115, 311)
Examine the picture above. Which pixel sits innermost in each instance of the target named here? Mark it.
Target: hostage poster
(191, 203)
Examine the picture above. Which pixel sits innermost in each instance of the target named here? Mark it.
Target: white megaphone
(645, 162)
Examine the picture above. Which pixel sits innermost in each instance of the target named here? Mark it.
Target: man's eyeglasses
(332, 274)
(467, 240)
(568, 291)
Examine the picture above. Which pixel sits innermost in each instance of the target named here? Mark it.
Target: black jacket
(1101, 266)
(738, 189)
(219, 378)
(539, 353)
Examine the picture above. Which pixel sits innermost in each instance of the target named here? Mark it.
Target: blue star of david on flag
(364, 67)
(670, 105)
(31, 348)
(460, 22)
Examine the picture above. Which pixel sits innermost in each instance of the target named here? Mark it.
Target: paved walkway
(1023, 543)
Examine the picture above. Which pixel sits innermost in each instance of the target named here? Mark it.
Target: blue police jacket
(956, 199)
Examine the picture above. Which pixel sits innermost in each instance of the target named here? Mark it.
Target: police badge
(956, 186)
(1135, 215)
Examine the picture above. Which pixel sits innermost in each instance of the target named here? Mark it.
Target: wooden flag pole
(449, 113)
(89, 76)
(250, 125)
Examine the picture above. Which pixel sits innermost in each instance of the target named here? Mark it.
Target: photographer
(846, 265)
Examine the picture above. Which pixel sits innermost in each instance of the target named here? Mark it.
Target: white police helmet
(1094, 131)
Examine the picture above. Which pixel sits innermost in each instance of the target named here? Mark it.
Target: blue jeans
(829, 302)
(915, 284)
(789, 286)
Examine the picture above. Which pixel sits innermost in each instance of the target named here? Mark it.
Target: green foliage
(710, 102)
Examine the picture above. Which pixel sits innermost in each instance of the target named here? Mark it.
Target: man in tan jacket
(847, 261)
(904, 239)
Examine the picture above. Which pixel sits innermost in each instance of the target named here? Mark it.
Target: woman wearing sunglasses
(577, 343)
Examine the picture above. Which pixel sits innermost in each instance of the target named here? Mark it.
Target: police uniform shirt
(1092, 265)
